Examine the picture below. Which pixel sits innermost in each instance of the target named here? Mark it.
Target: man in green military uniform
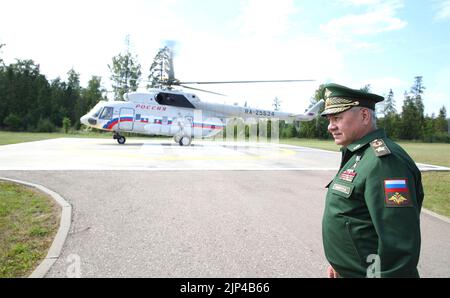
(371, 223)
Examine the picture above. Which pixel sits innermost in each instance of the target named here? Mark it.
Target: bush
(66, 124)
(13, 122)
(441, 137)
(437, 137)
(45, 125)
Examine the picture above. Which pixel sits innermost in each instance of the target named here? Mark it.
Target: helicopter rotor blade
(197, 89)
(248, 82)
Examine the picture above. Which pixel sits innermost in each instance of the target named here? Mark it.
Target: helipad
(160, 154)
(105, 154)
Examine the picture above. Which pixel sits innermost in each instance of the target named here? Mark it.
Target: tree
(161, 69)
(72, 96)
(389, 106)
(317, 128)
(29, 102)
(23, 93)
(93, 92)
(13, 122)
(90, 96)
(441, 121)
(417, 90)
(66, 124)
(45, 125)
(411, 120)
(366, 88)
(276, 104)
(429, 129)
(125, 72)
(391, 121)
(288, 130)
(416, 93)
(391, 124)
(3, 88)
(57, 98)
(1, 60)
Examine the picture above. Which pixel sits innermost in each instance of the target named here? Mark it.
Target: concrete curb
(66, 217)
(438, 216)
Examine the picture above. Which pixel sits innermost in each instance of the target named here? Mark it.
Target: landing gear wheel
(185, 141)
(177, 139)
(121, 140)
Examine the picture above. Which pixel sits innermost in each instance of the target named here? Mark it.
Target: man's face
(345, 127)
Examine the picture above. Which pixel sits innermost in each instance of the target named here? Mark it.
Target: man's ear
(365, 116)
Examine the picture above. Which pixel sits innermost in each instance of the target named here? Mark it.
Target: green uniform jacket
(371, 220)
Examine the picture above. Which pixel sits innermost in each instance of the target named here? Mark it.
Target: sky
(384, 43)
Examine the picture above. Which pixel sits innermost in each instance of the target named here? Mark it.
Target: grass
(436, 186)
(313, 143)
(20, 137)
(429, 153)
(434, 153)
(7, 137)
(28, 223)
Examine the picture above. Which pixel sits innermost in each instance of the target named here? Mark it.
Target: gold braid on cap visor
(338, 102)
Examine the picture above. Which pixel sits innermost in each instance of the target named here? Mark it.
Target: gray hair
(373, 115)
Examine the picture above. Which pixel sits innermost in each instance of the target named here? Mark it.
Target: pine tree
(1, 60)
(411, 123)
(276, 104)
(442, 124)
(389, 106)
(72, 95)
(417, 90)
(161, 70)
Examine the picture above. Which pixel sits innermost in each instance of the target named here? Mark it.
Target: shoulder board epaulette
(379, 147)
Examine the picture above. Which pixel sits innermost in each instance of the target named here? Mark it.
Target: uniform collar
(376, 134)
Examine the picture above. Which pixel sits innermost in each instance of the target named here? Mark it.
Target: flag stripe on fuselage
(115, 121)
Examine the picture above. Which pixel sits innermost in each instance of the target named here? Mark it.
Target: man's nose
(331, 126)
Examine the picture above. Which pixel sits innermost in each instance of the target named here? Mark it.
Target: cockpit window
(97, 112)
(107, 113)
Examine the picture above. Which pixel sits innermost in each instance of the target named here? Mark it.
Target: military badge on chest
(350, 174)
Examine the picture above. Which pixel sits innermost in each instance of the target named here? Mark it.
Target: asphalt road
(180, 219)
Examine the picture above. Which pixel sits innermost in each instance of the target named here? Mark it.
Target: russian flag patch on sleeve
(397, 193)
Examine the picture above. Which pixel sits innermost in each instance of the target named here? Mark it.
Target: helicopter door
(126, 119)
(165, 128)
(188, 125)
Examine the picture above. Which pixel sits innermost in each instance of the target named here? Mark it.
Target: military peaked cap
(339, 99)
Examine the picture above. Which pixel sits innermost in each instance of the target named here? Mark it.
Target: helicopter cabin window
(176, 100)
(107, 113)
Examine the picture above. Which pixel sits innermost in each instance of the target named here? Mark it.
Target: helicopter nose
(84, 120)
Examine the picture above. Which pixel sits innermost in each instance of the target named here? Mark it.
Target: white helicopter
(178, 114)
